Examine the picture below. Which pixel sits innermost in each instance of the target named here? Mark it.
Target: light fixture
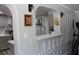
(62, 14)
(1, 12)
(30, 7)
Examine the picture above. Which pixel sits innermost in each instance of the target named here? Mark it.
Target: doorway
(6, 31)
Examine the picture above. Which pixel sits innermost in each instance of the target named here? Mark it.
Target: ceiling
(74, 7)
(5, 10)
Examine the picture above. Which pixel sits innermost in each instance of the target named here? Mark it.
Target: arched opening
(45, 20)
(8, 29)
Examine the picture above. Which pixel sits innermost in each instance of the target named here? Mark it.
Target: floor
(4, 52)
(8, 51)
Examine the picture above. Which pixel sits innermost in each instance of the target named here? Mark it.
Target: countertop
(11, 42)
(41, 37)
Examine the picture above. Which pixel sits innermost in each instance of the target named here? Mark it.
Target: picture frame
(56, 21)
(28, 20)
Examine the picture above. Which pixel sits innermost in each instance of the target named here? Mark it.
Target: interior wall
(27, 44)
(25, 32)
(30, 45)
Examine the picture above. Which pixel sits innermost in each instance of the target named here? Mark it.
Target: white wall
(27, 44)
(25, 35)
(66, 29)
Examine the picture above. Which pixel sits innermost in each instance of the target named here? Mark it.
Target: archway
(47, 21)
(13, 11)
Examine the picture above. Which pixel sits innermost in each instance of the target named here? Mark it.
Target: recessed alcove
(45, 21)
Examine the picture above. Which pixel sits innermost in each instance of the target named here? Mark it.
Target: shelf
(4, 35)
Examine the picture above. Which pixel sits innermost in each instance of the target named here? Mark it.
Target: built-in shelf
(4, 35)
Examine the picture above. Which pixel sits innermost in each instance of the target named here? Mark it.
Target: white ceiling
(5, 10)
(74, 7)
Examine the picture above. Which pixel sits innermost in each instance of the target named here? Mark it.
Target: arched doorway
(14, 14)
(47, 21)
